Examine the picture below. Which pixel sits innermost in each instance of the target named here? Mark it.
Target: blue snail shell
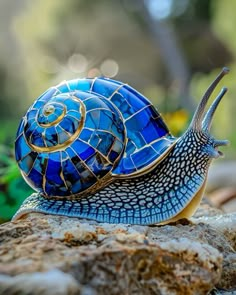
(82, 130)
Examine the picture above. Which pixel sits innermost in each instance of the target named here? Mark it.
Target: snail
(98, 149)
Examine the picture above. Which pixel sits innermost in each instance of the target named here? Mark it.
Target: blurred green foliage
(13, 189)
(45, 42)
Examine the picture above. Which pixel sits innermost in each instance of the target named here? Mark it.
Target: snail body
(98, 149)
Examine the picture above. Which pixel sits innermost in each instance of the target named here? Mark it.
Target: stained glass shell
(83, 131)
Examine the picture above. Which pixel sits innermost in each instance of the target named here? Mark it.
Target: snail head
(201, 121)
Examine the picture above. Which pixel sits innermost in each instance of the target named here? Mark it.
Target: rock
(47, 254)
(50, 282)
(224, 198)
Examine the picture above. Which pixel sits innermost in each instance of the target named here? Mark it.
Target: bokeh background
(168, 50)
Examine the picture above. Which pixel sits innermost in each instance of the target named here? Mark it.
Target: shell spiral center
(57, 123)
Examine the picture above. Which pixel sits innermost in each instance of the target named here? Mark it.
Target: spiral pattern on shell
(67, 142)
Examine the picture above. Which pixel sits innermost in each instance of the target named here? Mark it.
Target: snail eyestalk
(196, 123)
(206, 124)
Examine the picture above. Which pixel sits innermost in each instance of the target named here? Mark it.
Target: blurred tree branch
(164, 38)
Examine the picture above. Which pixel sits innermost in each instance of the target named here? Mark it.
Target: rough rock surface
(45, 254)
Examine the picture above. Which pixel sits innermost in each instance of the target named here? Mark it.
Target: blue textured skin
(121, 133)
